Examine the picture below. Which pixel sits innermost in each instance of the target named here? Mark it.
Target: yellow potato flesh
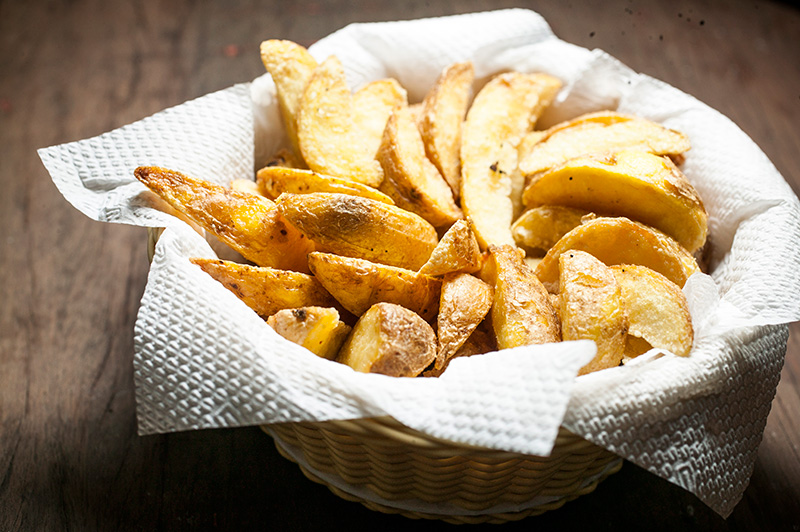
(275, 180)
(358, 284)
(457, 251)
(539, 228)
(634, 184)
(248, 223)
(465, 300)
(503, 111)
(318, 329)
(620, 241)
(359, 227)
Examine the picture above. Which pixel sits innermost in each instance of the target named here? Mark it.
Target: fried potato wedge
(522, 312)
(336, 136)
(503, 111)
(656, 308)
(245, 185)
(410, 178)
(443, 111)
(291, 67)
(275, 180)
(539, 228)
(635, 184)
(286, 159)
(602, 132)
(358, 284)
(361, 227)
(620, 241)
(248, 223)
(464, 302)
(481, 341)
(457, 251)
(267, 290)
(318, 329)
(591, 308)
(391, 340)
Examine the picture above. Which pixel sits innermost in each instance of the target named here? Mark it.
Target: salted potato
(267, 290)
(410, 178)
(440, 119)
(620, 241)
(656, 308)
(630, 183)
(336, 137)
(291, 67)
(358, 284)
(391, 340)
(591, 308)
(601, 132)
(275, 180)
(248, 223)
(464, 302)
(503, 111)
(539, 228)
(360, 227)
(522, 312)
(318, 329)
(457, 251)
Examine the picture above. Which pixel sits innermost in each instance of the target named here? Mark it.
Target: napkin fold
(203, 359)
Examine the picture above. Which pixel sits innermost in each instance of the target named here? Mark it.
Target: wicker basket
(391, 468)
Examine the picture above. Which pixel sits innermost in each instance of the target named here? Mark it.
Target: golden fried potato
(267, 290)
(522, 312)
(358, 284)
(361, 227)
(591, 308)
(391, 340)
(286, 159)
(245, 185)
(291, 67)
(503, 111)
(481, 341)
(656, 307)
(457, 251)
(635, 184)
(275, 180)
(601, 132)
(620, 241)
(440, 119)
(336, 136)
(409, 177)
(464, 302)
(248, 223)
(318, 329)
(539, 228)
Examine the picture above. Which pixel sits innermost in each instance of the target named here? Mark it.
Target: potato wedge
(267, 290)
(602, 132)
(539, 228)
(245, 185)
(275, 180)
(358, 284)
(656, 308)
(391, 340)
(336, 137)
(361, 227)
(457, 251)
(522, 312)
(286, 159)
(479, 342)
(591, 308)
(440, 120)
(248, 223)
(410, 178)
(373, 103)
(620, 241)
(291, 68)
(318, 329)
(503, 111)
(635, 184)
(464, 302)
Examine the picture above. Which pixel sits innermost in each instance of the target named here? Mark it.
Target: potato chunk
(539, 228)
(276, 180)
(391, 340)
(318, 329)
(464, 302)
(457, 251)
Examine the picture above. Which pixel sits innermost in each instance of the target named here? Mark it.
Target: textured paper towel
(203, 359)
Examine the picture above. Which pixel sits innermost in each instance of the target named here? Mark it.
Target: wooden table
(70, 458)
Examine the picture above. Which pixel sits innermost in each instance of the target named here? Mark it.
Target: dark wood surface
(70, 458)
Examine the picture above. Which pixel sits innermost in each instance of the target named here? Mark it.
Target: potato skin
(457, 251)
(465, 300)
(318, 329)
(360, 227)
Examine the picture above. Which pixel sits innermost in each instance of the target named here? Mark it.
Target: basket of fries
(460, 282)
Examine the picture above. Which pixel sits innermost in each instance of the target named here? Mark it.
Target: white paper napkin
(203, 359)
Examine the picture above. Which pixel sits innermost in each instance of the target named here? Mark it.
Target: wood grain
(70, 458)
